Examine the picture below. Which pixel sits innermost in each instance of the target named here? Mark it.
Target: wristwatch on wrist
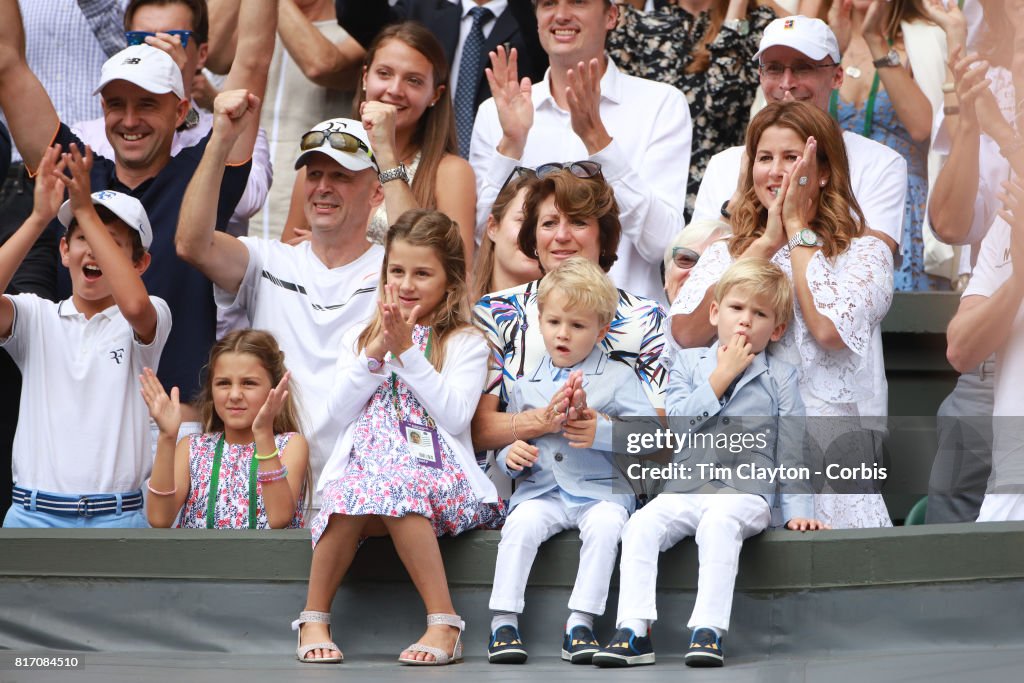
(805, 238)
(891, 59)
(373, 364)
(741, 26)
(397, 173)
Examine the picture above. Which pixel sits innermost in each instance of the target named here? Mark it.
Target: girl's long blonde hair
(433, 229)
(839, 217)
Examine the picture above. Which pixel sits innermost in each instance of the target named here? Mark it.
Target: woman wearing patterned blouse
(567, 212)
(706, 49)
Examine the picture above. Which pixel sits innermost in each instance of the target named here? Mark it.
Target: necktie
(470, 69)
(561, 374)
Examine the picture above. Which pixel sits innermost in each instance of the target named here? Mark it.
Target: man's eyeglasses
(580, 169)
(684, 257)
(139, 37)
(343, 142)
(775, 70)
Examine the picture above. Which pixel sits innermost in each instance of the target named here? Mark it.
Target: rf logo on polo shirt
(117, 355)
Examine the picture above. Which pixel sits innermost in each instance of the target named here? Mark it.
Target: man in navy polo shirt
(143, 104)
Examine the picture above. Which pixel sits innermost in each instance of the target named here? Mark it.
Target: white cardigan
(450, 397)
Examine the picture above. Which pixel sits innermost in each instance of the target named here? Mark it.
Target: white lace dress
(854, 291)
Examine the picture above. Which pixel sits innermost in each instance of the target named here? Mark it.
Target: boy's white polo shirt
(83, 426)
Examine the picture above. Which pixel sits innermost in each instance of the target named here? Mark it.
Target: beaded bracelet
(161, 493)
(269, 456)
(272, 476)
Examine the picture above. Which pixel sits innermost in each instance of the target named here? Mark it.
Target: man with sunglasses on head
(638, 131)
(310, 294)
(143, 103)
(181, 28)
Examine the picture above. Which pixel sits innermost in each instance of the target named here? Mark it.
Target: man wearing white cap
(80, 450)
(143, 103)
(800, 59)
(181, 28)
(307, 295)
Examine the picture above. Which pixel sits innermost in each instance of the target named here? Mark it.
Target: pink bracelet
(272, 476)
(161, 493)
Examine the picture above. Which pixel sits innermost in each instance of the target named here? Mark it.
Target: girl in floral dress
(249, 467)
(407, 385)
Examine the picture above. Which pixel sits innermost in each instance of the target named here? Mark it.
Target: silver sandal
(302, 650)
(441, 657)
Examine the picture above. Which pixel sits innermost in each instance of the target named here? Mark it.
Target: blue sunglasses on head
(139, 37)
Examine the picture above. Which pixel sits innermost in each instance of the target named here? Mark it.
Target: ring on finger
(801, 181)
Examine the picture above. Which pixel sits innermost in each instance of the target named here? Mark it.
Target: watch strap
(799, 241)
(892, 58)
(399, 172)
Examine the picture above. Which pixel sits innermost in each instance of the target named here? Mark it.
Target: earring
(824, 183)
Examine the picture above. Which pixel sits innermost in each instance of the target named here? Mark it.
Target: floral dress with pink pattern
(384, 478)
(232, 506)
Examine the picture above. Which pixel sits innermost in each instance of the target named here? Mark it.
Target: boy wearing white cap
(81, 449)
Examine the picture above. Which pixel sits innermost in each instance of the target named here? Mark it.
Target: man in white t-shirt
(800, 61)
(307, 295)
(585, 108)
(991, 319)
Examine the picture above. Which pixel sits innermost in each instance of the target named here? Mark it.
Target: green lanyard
(211, 495)
(869, 114)
(394, 386)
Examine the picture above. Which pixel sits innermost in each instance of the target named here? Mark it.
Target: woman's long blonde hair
(433, 229)
(838, 218)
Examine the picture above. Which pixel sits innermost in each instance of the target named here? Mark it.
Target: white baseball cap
(151, 69)
(127, 208)
(343, 140)
(809, 36)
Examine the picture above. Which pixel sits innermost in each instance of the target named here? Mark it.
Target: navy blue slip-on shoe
(705, 649)
(579, 645)
(506, 647)
(625, 649)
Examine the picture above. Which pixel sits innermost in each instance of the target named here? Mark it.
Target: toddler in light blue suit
(733, 389)
(568, 478)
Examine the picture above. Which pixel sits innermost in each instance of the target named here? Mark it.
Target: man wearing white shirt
(991, 319)
(585, 108)
(800, 61)
(308, 295)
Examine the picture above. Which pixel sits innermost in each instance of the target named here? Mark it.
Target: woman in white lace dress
(798, 210)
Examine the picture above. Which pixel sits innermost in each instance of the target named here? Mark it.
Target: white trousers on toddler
(719, 522)
(534, 521)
